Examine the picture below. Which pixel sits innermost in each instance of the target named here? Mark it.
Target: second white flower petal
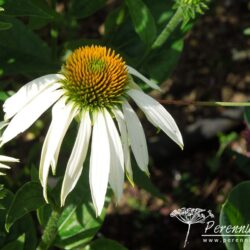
(29, 91)
(30, 113)
(116, 175)
(134, 72)
(77, 157)
(125, 143)
(136, 137)
(4, 158)
(99, 162)
(157, 115)
(62, 115)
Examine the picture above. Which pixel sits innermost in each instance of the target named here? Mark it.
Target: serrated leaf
(143, 20)
(28, 198)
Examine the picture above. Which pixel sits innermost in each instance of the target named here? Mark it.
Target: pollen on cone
(95, 76)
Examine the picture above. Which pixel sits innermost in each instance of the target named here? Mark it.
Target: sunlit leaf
(143, 20)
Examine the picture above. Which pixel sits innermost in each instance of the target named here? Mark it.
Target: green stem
(209, 104)
(169, 28)
(50, 231)
(164, 35)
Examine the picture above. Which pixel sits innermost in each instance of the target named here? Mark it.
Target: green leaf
(77, 226)
(235, 212)
(105, 244)
(5, 26)
(35, 8)
(78, 223)
(24, 226)
(247, 116)
(241, 161)
(143, 20)
(28, 198)
(43, 214)
(166, 58)
(18, 244)
(3, 96)
(5, 201)
(143, 181)
(36, 23)
(23, 52)
(2, 192)
(85, 8)
(114, 20)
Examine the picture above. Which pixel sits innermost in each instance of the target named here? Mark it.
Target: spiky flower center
(95, 77)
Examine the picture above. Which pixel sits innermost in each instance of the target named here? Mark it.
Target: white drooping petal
(77, 157)
(29, 91)
(125, 143)
(116, 175)
(136, 137)
(4, 166)
(30, 113)
(157, 115)
(134, 72)
(99, 162)
(4, 158)
(62, 116)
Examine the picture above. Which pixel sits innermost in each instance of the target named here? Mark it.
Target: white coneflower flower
(94, 85)
(3, 160)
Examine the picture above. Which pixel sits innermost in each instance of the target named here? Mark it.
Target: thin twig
(205, 103)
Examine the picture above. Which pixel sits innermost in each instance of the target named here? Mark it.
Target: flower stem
(50, 231)
(169, 28)
(186, 239)
(209, 104)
